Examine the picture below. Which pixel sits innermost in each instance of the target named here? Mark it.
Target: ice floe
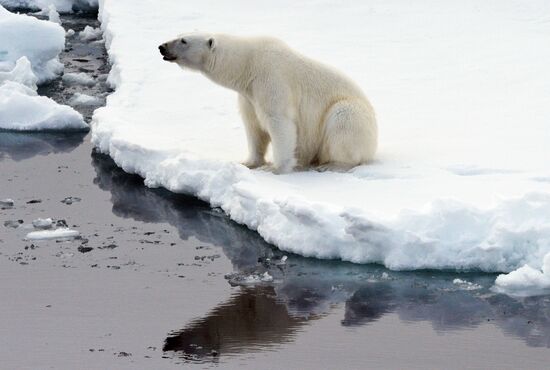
(463, 107)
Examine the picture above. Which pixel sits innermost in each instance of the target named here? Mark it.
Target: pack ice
(29, 50)
(64, 6)
(462, 179)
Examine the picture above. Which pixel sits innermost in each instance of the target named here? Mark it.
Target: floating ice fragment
(526, 280)
(90, 33)
(7, 203)
(53, 15)
(42, 223)
(40, 41)
(266, 277)
(71, 200)
(61, 233)
(466, 285)
(23, 110)
(84, 100)
(78, 79)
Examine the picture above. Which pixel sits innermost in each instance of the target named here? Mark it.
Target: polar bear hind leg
(350, 137)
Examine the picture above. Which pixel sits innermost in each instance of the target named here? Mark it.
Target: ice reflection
(20, 146)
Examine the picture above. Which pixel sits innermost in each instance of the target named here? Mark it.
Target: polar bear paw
(286, 166)
(253, 163)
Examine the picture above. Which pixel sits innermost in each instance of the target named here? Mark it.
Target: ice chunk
(22, 110)
(39, 41)
(7, 203)
(53, 15)
(78, 79)
(266, 278)
(42, 223)
(84, 100)
(90, 33)
(70, 200)
(70, 32)
(526, 280)
(61, 233)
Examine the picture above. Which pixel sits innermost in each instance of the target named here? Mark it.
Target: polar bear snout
(165, 53)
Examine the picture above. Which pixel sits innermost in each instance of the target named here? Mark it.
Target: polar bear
(311, 114)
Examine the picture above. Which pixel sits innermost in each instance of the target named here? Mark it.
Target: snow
(64, 6)
(39, 41)
(60, 233)
(79, 78)
(90, 33)
(83, 99)
(462, 101)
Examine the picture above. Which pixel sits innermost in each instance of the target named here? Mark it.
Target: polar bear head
(190, 51)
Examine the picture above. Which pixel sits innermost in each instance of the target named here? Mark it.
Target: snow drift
(461, 91)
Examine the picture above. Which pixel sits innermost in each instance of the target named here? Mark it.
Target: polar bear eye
(183, 41)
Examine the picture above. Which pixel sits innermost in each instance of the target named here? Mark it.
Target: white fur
(311, 114)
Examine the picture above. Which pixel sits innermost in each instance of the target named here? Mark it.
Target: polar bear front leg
(257, 138)
(283, 141)
(274, 109)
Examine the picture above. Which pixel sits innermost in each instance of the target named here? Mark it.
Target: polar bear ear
(211, 43)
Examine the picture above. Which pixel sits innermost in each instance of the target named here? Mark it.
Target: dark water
(349, 310)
